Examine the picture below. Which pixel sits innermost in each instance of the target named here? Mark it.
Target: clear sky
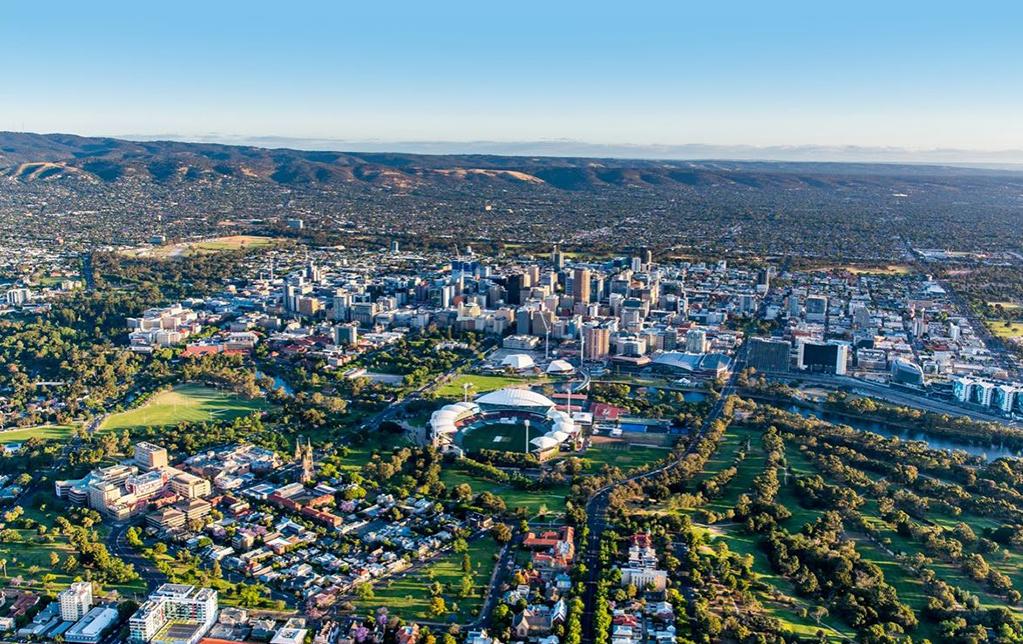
(893, 73)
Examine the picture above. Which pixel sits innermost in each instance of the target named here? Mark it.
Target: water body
(279, 383)
(988, 453)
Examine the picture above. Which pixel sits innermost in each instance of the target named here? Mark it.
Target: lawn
(408, 595)
(481, 384)
(185, 403)
(621, 455)
(552, 499)
(888, 269)
(377, 442)
(234, 242)
(1004, 304)
(1005, 330)
(506, 437)
(29, 556)
(216, 244)
(46, 432)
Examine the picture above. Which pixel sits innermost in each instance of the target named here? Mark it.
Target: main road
(596, 506)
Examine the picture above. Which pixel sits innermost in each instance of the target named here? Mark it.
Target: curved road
(596, 507)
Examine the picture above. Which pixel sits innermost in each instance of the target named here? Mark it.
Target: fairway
(187, 403)
(621, 455)
(506, 437)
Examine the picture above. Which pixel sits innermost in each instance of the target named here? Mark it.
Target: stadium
(510, 420)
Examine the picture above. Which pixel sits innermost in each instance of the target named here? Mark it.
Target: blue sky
(910, 74)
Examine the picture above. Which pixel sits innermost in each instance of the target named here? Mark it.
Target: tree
(501, 533)
(134, 537)
(438, 607)
(364, 591)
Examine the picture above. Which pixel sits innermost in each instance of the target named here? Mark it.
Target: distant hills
(47, 157)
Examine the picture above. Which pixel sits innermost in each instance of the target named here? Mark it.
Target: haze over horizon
(908, 82)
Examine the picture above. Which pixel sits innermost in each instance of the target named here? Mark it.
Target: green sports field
(500, 436)
(186, 403)
(480, 384)
(45, 432)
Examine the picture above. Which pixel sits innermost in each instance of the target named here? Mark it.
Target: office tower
(346, 334)
(648, 257)
(696, 341)
(581, 285)
(341, 306)
(515, 283)
(769, 355)
(822, 357)
(75, 601)
(558, 258)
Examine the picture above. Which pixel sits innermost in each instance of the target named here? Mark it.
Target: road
(884, 392)
(596, 507)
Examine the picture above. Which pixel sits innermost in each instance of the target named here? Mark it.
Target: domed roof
(560, 366)
(512, 397)
(518, 361)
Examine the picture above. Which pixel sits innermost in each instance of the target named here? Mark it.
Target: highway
(596, 506)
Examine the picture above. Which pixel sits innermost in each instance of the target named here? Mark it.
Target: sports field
(45, 432)
(183, 249)
(500, 436)
(186, 403)
(479, 384)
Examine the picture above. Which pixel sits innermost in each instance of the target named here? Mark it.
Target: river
(988, 453)
(279, 383)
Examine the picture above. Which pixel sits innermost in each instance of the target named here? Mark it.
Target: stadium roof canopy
(521, 398)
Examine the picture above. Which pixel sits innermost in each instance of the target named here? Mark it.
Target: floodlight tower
(547, 336)
(526, 439)
(465, 391)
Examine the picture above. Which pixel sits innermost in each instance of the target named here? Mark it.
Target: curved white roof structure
(523, 398)
(560, 366)
(543, 442)
(518, 361)
(442, 421)
(561, 437)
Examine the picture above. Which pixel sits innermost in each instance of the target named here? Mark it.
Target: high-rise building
(766, 354)
(823, 357)
(558, 258)
(190, 610)
(581, 285)
(341, 306)
(149, 456)
(696, 341)
(515, 283)
(346, 334)
(75, 601)
(596, 341)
